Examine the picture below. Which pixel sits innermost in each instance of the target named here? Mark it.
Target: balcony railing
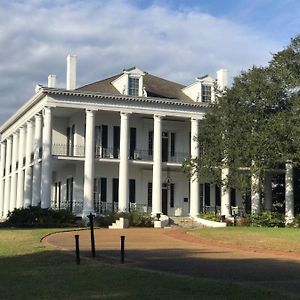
(101, 152)
(67, 150)
(141, 155)
(114, 153)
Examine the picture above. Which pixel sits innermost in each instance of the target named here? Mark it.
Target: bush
(268, 219)
(211, 216)
(136, 219)
(34, 216)
(106, 219)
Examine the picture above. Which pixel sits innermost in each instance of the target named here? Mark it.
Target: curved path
(171, 250)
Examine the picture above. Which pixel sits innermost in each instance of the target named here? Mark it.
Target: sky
(177, 40)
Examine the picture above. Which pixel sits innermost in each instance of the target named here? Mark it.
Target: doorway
(164, 198)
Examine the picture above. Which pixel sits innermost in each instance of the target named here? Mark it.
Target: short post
(77, 249)
(122, 248)
(91, 218)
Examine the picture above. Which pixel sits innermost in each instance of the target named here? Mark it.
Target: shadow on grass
(54, 275)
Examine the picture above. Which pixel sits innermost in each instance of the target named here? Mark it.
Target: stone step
(119, 224)
(185, 222)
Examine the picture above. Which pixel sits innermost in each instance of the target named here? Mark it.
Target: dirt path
(171, 250)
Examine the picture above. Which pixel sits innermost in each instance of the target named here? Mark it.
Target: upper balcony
(113, 154)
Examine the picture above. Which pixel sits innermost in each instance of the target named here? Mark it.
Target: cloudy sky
(178, 40)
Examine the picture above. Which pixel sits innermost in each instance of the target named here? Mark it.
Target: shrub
(136, 219)
(34, 216)
(268, 219)
(106, 219)
(211, 216)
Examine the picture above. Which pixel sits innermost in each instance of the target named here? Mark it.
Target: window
(103, 196)
(206, 93)
(172, 143)
(115, 192)
(132, 190)
(116, 148)
(132, 144)
(150, 194)
(150, 143)
(133, 86)
(172, 194)
(69, 193)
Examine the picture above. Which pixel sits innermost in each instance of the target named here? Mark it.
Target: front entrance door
(164, 196)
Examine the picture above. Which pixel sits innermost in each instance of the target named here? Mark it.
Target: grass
(262, 238)
(31, 271)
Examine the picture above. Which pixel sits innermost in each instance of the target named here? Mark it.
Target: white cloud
(108, 36)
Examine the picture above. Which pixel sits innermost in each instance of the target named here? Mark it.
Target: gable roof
(155, 87)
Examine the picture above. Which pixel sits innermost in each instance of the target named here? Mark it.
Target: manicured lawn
(30, 271)
(276, 239)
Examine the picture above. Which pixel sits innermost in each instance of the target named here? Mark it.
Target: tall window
(132, 190)
(150, 143)
(133, 86)
(150, 194)
(206, 93)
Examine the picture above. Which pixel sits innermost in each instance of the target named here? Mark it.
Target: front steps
(120, 224)
(184, 222)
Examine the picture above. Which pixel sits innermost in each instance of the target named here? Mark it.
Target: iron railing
(76, 207)
(101, 152)
(114, 153)
(67, 150)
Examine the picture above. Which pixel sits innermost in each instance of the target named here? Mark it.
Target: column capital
(9, 139)
(125, 113)
(90, 112)
(47, 109)
(158, 116)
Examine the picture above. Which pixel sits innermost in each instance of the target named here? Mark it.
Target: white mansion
(115, 144)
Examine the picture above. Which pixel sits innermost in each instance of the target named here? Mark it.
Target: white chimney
(71, 72)
(52, 81)
(222, 78)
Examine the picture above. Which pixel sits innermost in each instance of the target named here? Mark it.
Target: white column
(123, 166)
(2, 166)
(289, 193)
(36, 182)
(20, 184)
(7, 176)
(268, 192)
(157, 177)
(194, 184)
(255, 201)
(88, 188)
(28, 168)
(225, 194)
(46, 180)
(13, 183)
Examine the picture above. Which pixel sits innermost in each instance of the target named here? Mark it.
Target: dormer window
(133, 86)
(206, 93)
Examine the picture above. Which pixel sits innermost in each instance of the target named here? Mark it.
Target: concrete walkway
(171, 250)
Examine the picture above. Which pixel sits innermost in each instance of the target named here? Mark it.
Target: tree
(254, 125)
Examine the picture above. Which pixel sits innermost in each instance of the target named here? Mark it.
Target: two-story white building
(115, 144)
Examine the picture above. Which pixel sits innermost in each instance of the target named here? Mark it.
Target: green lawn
(30, 271)
(276, 239)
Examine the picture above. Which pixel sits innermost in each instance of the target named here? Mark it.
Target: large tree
(255, 124)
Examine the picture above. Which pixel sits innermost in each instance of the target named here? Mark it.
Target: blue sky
(178, 40)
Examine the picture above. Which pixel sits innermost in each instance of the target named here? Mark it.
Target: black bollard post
(77, 249)
(122, 248)
(91, 218)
